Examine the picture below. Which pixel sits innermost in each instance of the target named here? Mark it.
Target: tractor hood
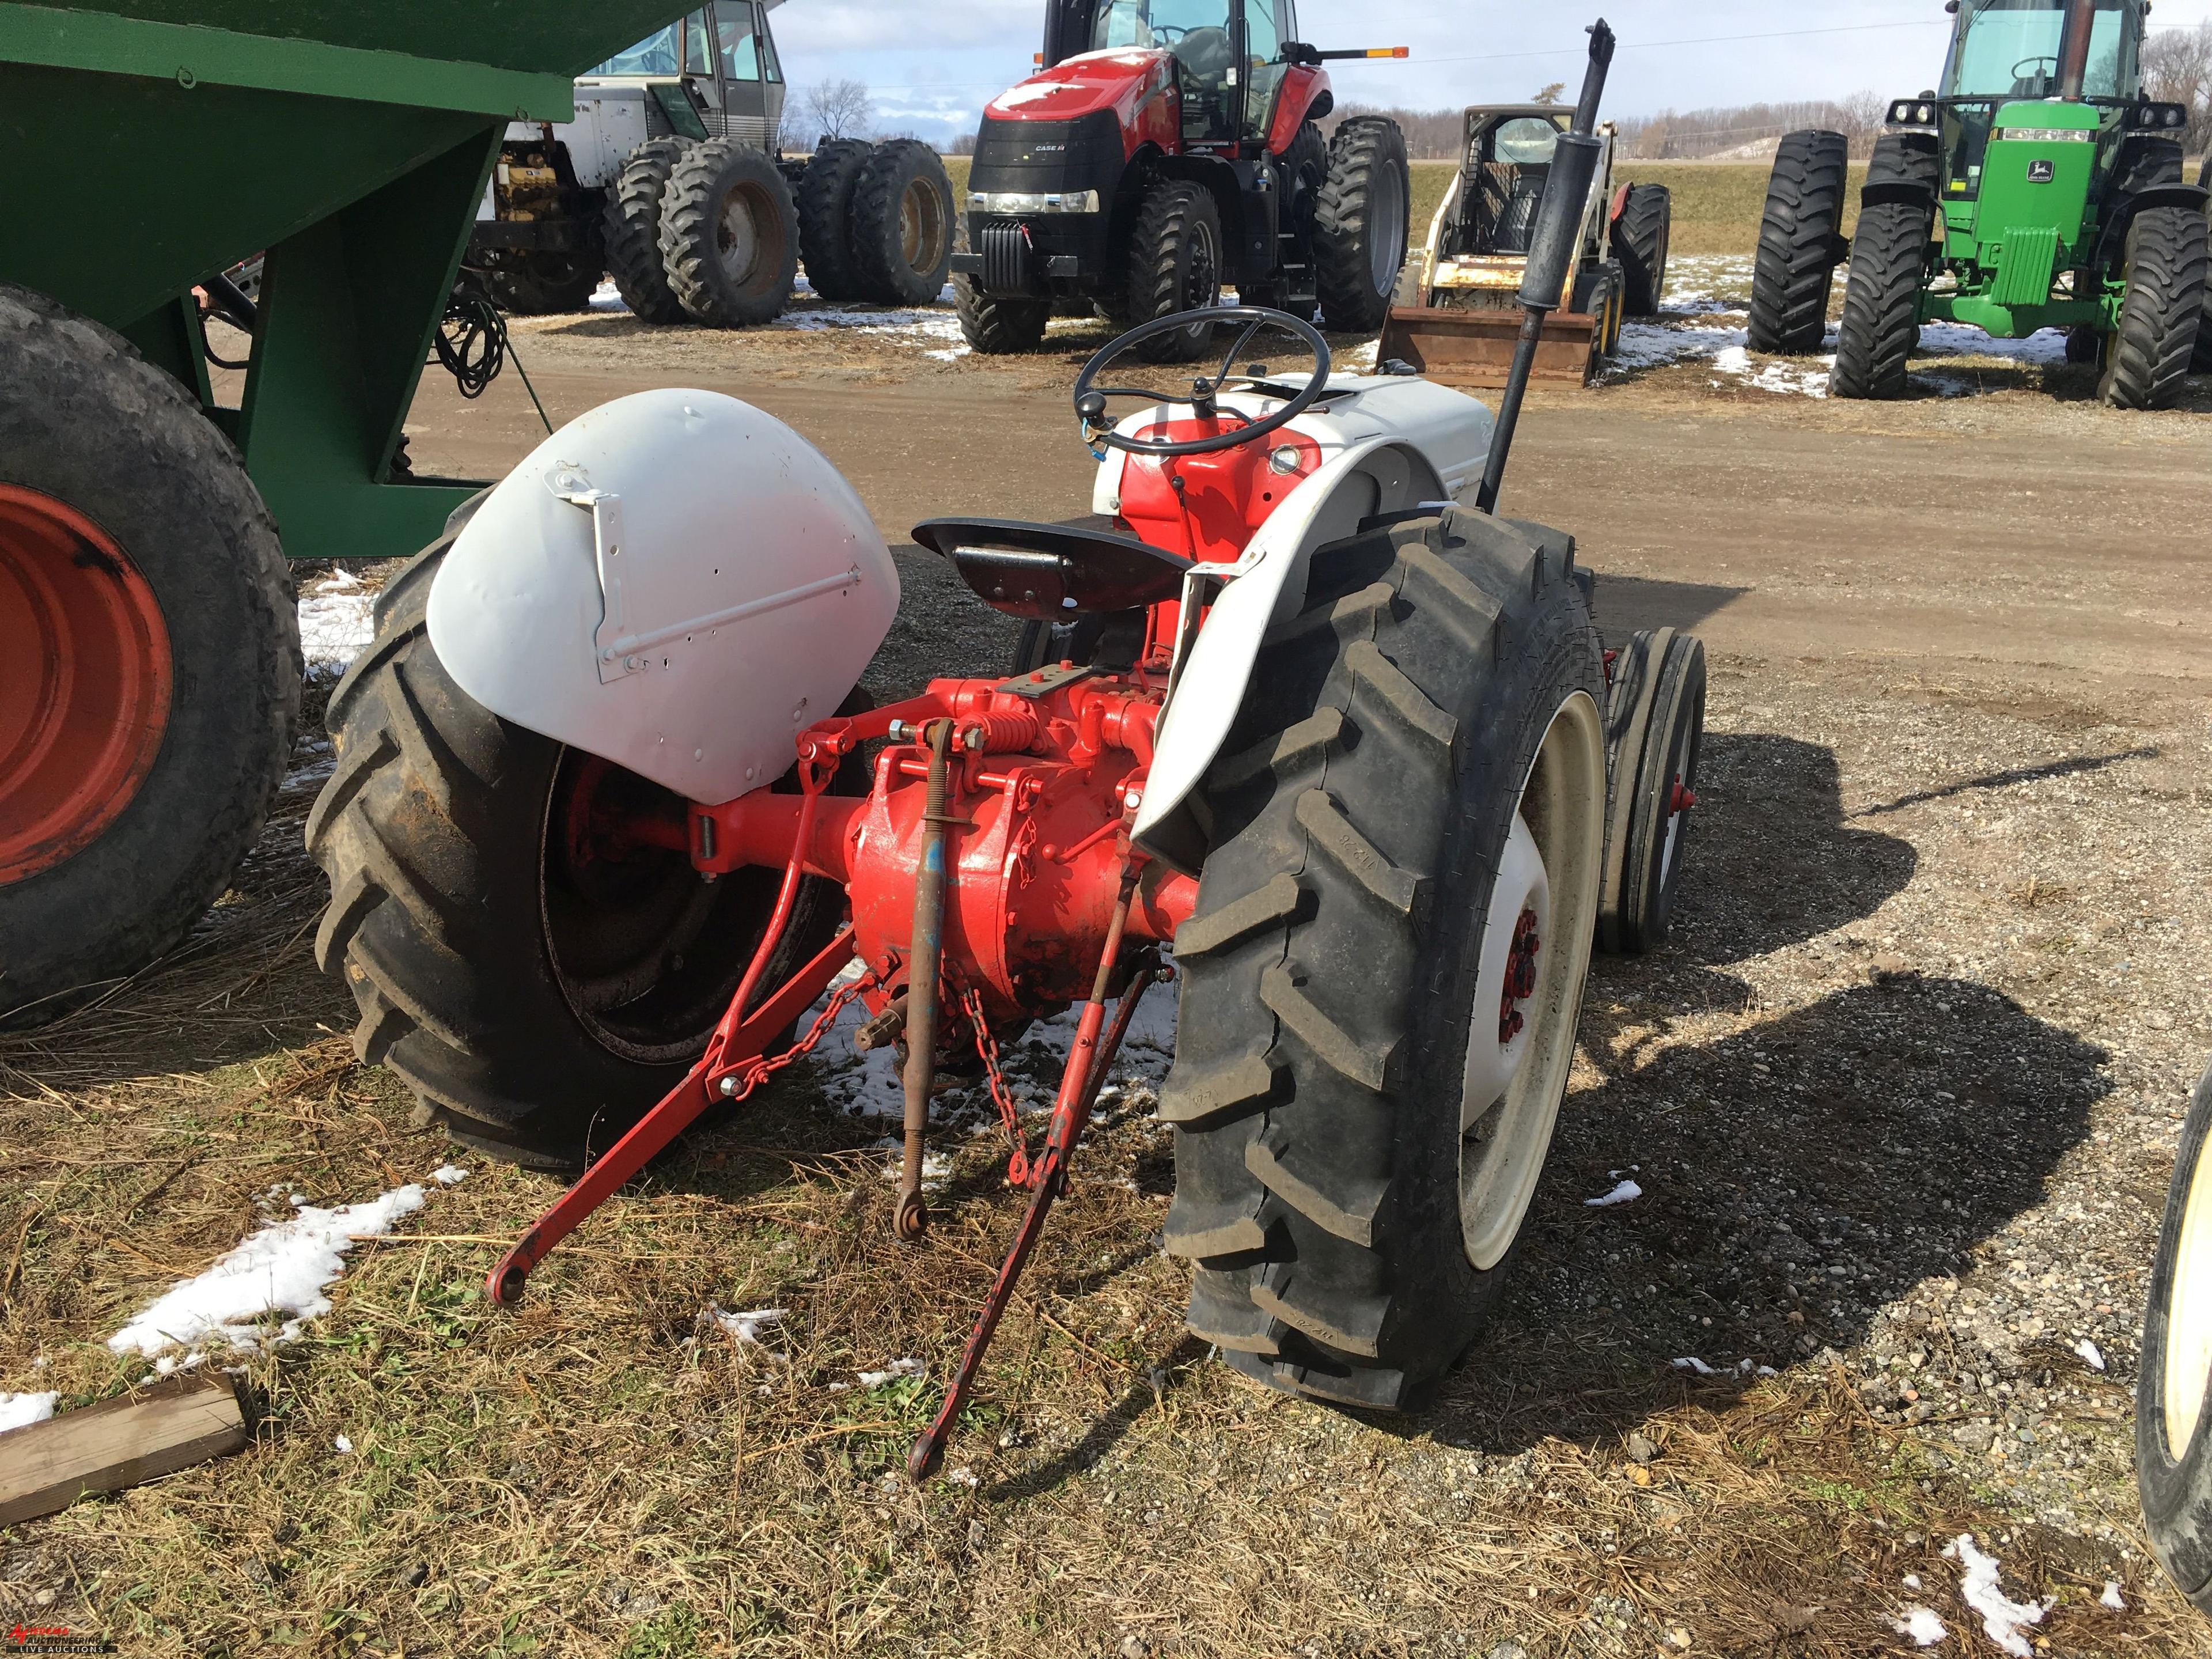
(1120, 78)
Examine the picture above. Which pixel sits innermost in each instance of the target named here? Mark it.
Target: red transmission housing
(1047, 772)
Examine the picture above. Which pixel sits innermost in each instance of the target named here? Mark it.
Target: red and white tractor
(1166, 148)
(605, 824)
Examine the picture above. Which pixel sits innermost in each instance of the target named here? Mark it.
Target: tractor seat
(1520, 191)
(1051, 572)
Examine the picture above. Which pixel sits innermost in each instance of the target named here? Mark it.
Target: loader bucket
(1475, 347)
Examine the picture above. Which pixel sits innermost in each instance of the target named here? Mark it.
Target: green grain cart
(2038, 189)
(149, 652)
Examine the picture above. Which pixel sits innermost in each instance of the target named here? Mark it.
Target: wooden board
(119, 1442)
(1474, 347)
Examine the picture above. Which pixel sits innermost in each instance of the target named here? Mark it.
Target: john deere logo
(2040, 173)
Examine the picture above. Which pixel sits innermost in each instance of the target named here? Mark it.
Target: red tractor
(1167, 148)
(606, 828)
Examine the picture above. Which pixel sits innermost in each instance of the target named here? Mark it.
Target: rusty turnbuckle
(911, 1220)
(1093, 1051)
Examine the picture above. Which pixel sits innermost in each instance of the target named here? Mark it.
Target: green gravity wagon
(150, 651)
(2039, 188)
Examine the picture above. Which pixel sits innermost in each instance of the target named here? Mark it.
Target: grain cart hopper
(2038, 189)
(671, 176)
(149, 654)
(1459, 314)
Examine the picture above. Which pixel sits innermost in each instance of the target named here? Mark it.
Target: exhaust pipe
(2074, 54)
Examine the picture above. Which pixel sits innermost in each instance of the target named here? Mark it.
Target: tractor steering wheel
(1204, 390)
(2033, 68)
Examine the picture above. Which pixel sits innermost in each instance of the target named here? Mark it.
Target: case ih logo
(2040, 173)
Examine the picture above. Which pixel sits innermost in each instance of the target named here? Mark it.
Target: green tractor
(2039, 189)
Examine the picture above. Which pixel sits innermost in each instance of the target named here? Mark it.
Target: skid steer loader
(1457, 315)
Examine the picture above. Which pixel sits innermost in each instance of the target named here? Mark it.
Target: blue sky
(931, 63)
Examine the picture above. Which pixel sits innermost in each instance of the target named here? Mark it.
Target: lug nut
(728, 1085)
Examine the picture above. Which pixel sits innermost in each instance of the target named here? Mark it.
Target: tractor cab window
(1507, 164)
(1263, 65)
(1524, 142)
(661, 52)
(740, 47)
(2013, 49)
(1196, 33)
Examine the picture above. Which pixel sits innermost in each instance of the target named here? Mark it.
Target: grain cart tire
(729, 235)
(1360, 224)
(1882, 301)
(2173, 1389)
(1175, 264)
(1639, 242)
(1799, 244)
(544, 285)
(537, 990)
(1655, 727)
(149, 658)
(631, 231)
(2169, 259)
(825, 217)
(901, 227)
(997, 324)
(2200, 362)
(1407, 824)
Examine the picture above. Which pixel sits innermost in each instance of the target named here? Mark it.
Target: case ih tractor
(607, 822)
(671, 177)
(1168, 148)
(1458, 322)
(2038, 189)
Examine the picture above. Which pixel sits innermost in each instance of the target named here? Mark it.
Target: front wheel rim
(2187, 1368)
(85, 681)
(1515, 1075)
(1387, 206)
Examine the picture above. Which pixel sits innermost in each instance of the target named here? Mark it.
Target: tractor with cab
(1166, 149)
(1333, 748)
(1458, 317)
(2037, 188)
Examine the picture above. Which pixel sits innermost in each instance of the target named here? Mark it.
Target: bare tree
(1859, 118)
(839, 109)
(1549, 93)
(2177, 66)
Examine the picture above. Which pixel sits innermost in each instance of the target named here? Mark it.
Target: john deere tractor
(2039, 189)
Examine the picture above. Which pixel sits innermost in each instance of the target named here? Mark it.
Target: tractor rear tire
(150, 658)
(1655, 727)
(998, 324)
(1798, 244)
(1882, 301)
(1175, 264)
(2173, 1388)
(1358, 1133)
(631, 231)
(1639, 242)
(536, 999)
(1360, 224)
(901, 227)
(546, 284)
(2200, 362)
(729, 235)
(2169, 263)
(825, 217)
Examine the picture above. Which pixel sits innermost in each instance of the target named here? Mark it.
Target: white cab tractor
(671, 179)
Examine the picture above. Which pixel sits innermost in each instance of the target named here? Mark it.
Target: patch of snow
(2111, 1598)
(1029, 92)
(1691, 1362)
(1625, 1193)
(606, 297)
(342, 1444)
(936, 1168)
(890, 1373)
(446, 1174)
(2002, 1617)
(169, 1364)
(19, 1411)
(746, 1327)
(1777, 374)
(336, 620)
(2045, 346)
(1913, 1581)
(2090, 1352)
(282, 1269)
(965, 1476)
(1922, 1625)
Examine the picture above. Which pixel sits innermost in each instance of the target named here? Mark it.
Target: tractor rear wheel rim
(1386, 220)
(1519, 1048)
(920, 228)
(739, 239)
(1202, 284)
(2188, 1367)
(85, 681)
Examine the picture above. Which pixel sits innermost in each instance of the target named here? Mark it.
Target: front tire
(1640, 242)
(2168, 258)
(630, 232)
(999, 324)
(1882, 301)
(1175, 264)
(1360, 224)
(2173, 1390)
(902, 230)
(729, 235)
(536, 987)
(1654, 729)
(544, 285)
(1407, 831)
(149, 658)
(1798, 243)
(825, 217)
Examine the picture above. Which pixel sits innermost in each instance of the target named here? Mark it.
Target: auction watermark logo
(20, 1638)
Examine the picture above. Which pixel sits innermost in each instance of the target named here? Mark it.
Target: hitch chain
(735, 1085)
(1017, 1164)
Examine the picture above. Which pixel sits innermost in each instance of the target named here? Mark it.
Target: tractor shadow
(1626, 603)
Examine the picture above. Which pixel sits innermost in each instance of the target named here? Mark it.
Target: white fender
(1268, 584)
(674, 581)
